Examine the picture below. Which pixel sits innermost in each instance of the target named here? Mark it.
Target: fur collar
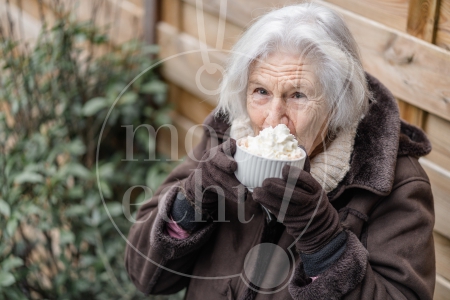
(381, 136)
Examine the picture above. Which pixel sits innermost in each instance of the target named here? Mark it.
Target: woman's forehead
(281, 64)
(282, 69)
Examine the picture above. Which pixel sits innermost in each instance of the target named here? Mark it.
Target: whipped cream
(273, 143)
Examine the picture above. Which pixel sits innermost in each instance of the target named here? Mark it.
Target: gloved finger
(217, 176)
(227, 182)
(274, 203)
(270, 201)
(228, 147)
(300, 178)
(280, 189)
(275, 186)
(224, 162)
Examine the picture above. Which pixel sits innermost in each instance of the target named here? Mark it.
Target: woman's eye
(261, 91)
(299, 95)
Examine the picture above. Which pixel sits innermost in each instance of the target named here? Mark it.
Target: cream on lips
(273, 143)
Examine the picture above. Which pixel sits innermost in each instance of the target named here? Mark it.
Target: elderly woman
(360, 217)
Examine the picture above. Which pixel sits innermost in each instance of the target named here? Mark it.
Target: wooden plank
(443, 26)
(242, 13)
(406, 65)
(130, 7)
(125, 23)
(412, 69)
(410, 113)
(442, 290)
(35, 9)
(390, 13)
(184, 65)
(138, 3)
(171, 12)
(440, 185)
(422, 23)
(32, 25)
(438, 132)
(149, 21)
(122, 18)
(174, 93)
(193, 108)
(422, 19)
(187, 105)
(211, 26)
(442, 249)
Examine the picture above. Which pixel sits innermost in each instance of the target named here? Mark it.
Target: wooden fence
(403, 43)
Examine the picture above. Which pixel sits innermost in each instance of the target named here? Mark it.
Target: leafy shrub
(56, 239)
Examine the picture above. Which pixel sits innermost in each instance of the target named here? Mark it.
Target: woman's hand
(214, 176)
(305, 207)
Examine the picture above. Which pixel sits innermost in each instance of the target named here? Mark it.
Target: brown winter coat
(384, 201)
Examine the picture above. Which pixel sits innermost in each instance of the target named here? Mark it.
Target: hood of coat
(380, 138)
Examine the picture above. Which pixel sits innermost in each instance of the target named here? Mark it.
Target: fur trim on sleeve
(342, 277)
(167, 246)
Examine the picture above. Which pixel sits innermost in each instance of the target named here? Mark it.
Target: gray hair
(306, 29)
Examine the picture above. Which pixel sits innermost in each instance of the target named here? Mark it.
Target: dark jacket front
(384, 202)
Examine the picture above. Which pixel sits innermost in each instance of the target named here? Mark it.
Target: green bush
(56, 239)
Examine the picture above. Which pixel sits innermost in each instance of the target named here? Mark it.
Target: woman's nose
(277, 114)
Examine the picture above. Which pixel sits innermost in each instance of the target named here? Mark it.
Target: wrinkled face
(282, 89)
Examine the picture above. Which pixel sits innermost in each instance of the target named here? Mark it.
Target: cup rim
(271, 159)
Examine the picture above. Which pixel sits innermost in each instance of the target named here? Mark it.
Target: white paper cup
(253, 169)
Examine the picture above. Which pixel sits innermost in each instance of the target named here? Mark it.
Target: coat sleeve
(399, 262)
(154, 260)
